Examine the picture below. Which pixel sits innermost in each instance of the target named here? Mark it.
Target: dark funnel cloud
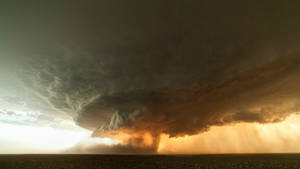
(174, 67)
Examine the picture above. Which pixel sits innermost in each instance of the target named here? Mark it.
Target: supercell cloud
(168, 67)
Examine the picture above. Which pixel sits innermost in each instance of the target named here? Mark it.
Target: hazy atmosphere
(136, 76)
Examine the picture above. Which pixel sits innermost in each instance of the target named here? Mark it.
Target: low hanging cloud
(170, 67)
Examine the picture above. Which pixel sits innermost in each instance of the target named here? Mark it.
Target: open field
(244, 161)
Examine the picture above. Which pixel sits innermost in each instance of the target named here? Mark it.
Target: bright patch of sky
(27, 131)
(38, 139)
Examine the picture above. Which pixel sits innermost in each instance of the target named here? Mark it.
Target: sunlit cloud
(283, 137)
(166, 77)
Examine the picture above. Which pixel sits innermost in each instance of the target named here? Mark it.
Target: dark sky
(174, 67)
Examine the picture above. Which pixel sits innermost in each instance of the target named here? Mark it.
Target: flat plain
(226, 161)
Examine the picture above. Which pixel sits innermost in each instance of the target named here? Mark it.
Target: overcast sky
(134, 70)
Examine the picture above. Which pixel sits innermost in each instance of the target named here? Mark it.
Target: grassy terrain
(259, 161)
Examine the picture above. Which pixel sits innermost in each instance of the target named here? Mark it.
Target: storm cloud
(157, 67)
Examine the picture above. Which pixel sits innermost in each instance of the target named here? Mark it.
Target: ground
(244, 161)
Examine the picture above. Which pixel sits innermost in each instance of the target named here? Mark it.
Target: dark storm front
(245, 161)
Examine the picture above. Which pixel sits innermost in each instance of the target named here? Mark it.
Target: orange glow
(283, 137)
(137, 139)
